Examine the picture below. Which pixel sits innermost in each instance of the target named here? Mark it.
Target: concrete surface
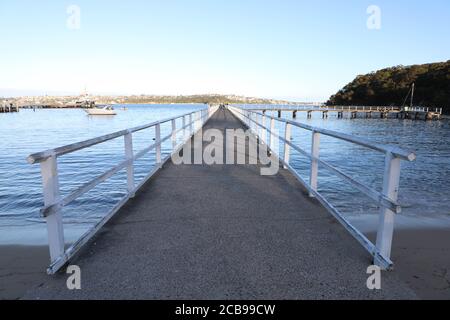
(222, 232)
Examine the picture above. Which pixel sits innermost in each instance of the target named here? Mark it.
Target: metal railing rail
(325, 108)
(386, 200)
(53, 203)
(347, 108)
(423, 109)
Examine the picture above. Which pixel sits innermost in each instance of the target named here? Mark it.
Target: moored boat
(105, 111)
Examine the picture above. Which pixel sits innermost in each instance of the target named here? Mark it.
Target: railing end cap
(31, 159)
(40, 156)
(412, 156)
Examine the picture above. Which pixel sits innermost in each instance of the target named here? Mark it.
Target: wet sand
(422, 261)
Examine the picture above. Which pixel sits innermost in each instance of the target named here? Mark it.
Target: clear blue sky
(300, 50)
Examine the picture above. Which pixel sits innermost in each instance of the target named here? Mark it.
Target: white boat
(105, 111)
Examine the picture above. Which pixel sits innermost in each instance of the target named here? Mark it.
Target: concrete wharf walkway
(222, 232)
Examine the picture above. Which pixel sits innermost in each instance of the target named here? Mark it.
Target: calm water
(28, 132)
(424, 192)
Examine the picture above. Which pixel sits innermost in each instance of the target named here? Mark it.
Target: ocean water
(424, 183)
(27, 132)
(424, 190)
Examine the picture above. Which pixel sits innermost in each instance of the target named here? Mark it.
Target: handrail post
(129, 156)
(158, 142)
(195, 120)
(184, 127)
(258, 128)
(272, 129)
(55, 229)
(263, 129)
(190, 123)
(315, 149)
(287, 147)
(391, 182)
(174, 134)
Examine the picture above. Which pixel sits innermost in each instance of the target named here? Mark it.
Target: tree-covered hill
(389, 87)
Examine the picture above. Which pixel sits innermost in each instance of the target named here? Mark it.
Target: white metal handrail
(387, 199)
(325, 108)
(53, 203)
(348, 108)
(423, 109)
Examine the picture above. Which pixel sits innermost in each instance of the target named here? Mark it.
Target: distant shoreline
(59, 101)
(139, 104)
(132, 103)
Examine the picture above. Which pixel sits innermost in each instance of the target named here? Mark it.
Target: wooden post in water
(50, 181)
(391, 181)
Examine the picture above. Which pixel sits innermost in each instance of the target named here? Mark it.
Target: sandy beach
(422, 261)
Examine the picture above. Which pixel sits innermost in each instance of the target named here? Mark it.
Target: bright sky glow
(297, 50)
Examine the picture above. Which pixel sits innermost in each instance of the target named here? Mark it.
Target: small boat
(105, 111)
